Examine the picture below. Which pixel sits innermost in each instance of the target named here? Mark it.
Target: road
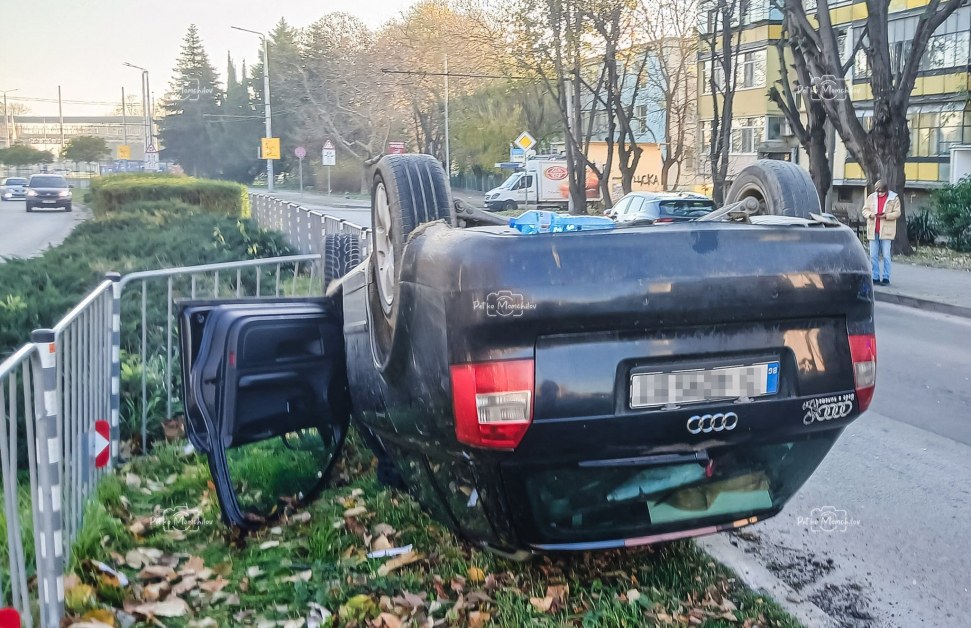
(25, 235)
(902, 476)
(356, 211)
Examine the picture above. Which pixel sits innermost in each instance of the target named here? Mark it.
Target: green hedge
(111, 193)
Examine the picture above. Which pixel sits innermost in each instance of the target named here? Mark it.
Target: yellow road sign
(124, 151)
(271, 147)
(525, 141)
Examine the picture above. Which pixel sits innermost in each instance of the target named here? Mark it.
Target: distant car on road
(48, 190)
(661, 207)
(13, 187)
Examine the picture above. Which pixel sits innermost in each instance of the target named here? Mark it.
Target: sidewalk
(937, 289)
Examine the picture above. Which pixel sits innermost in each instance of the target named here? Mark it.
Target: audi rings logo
(705, 423)
(828, 412)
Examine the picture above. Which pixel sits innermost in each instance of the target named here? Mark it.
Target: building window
(773, 127)
(750, 67)
(746, 135)
(640, 118)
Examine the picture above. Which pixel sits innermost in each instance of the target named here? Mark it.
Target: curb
(922, 304)
(760, 579)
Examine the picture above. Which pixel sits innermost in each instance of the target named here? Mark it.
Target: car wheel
(782, 189)
(342, 252)
(68, 208)
(406, 192)
(30, 208)
(510, 206)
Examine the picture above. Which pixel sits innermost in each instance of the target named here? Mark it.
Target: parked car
(48, 190)
(660, 207)
(12, 188)
(556, 391)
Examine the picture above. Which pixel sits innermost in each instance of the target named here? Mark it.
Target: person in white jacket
(881, 210)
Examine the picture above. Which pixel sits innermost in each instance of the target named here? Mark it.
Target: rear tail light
(493, 402)
(863, 351)
(664, 220)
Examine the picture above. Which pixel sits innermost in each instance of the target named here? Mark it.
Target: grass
(317, 556)
(939, 257)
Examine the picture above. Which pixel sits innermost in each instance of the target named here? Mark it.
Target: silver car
(660, 207)
(13, 188)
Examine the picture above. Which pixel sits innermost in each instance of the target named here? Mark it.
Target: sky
(81, 44)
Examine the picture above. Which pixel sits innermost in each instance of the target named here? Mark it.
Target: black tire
(510, 205)
(782, 189)
(30, 208)
(342, 252)
(68, 208)
(414, 190)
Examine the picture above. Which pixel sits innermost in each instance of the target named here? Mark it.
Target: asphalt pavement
(26, 235)
(900, 479)
(351, 210)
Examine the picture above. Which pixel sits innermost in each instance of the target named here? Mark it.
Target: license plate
(650, 390)
(50, 201)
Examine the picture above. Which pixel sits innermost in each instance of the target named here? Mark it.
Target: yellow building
(647, 176)
(938, 113)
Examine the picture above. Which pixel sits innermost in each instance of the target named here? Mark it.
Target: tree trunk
(665, 170)
(895, 179)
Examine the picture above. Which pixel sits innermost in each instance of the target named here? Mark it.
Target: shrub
(922, 227)
(112, 193)
(952, 205)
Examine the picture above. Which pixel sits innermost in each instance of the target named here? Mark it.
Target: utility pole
(60, 116)
(266, 100)
(146, 116)
(448, 155)
(7, 117)
(124, 117)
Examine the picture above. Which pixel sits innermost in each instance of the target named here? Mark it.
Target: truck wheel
(510, 206)
(406, 191)
(342, 252)
(782, 189)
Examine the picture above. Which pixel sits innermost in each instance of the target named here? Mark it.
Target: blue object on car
(539, 221)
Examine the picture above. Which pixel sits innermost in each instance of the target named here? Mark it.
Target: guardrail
(303, 228)
(117, 345)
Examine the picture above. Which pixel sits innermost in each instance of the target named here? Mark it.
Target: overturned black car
(556, 391)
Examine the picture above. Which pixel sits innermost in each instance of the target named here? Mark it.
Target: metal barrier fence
(102, 354)
(303, 228)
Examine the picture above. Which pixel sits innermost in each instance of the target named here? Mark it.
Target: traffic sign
(151, 158)
(270, 147)
(102, 443)
(396, 148)
(328, 155)
(525, 141)
(300, 152)
(124, 151)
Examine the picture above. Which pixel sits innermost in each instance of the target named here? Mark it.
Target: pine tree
(189, 129)
(239, 130)
(285, 89)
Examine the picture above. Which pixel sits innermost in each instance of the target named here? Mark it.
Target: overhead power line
(456, 74)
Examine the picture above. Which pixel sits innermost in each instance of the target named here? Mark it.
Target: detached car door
(266, 398)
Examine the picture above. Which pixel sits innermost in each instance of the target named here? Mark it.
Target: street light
(266, 100)
(6, 115)
(146, 112)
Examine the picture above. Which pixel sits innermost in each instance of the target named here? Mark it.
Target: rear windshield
(686, 208)
(16, 182)
(48, 182)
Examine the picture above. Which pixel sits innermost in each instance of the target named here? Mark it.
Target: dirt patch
(795, 568)
(845, 603)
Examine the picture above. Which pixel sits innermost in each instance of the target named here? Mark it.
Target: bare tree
(671, 30)
(342, 83)
(881, 150)
(722, 78)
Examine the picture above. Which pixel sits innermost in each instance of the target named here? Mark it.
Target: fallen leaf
(408, 600)
(633, 595)
(542, 604)
(355, 512)
(380, 543)
(100, 615)
(386, 620)
(187, 584)
(269, 545)
(192, 566)
(155, 592)
(357, 492)
(208, 622)
(156, 572)
(276, 530)
(302, 576)
(478, 597)
(398, 562)
(476, 575)
(382, 529)
(301, 517)
(132, 480)
(214, 586)
(79, 597)
(254, 571)
(171, 607)
(478, 619)
(71, 580)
